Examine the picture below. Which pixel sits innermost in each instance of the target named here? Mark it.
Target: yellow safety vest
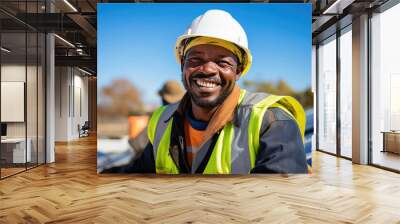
(226, 158)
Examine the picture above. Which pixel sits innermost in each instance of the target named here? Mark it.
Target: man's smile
(206, 84)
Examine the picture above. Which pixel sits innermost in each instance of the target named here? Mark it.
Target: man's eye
(224, 63)
(194, 60)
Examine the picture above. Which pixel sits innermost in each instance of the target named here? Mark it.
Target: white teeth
(206, 84)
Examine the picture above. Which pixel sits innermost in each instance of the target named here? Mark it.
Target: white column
(50, 99)
(50, 92)
(360, 90)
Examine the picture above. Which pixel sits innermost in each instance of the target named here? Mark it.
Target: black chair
(84, 130)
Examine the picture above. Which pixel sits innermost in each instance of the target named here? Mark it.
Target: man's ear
(182, 64)
(239, 71)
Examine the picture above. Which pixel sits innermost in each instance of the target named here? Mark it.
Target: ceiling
(73, 21)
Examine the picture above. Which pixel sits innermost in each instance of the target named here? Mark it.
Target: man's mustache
(201, 75)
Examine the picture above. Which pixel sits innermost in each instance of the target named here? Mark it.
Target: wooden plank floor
(70, 191)
(10, 171)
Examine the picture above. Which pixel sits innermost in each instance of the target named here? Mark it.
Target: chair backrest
(86, 125)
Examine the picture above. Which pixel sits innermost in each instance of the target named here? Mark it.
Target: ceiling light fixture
(79, 51)
(5, 50)
(70, 5)
(65, 41)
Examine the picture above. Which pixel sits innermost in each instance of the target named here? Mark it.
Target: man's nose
(209, 68)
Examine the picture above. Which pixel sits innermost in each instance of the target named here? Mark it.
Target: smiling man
(218, 128)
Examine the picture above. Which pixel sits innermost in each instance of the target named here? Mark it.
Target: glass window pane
(13, 86)
(32, 86)
(41, 98)
(346, 93)
(386, 88)
(327, 95)
(31, 97)
(23, 87)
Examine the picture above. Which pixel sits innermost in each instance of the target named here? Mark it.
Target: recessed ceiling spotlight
(70, 5)
(5, 50)
(64, 40)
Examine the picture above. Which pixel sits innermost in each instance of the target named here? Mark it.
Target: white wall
(13, 100)
(71, 94)
(16, 73)
(62, 81)
(33, 126)
(13, 73)
(80, 110)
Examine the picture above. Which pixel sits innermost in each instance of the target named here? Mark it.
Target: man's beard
(208, 104)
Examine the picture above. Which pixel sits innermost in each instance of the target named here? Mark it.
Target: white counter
(18, 145)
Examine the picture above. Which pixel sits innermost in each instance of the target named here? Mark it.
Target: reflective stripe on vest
(236, 149)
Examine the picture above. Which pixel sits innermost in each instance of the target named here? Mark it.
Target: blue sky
(136, 41)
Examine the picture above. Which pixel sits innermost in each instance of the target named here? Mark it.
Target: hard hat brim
(178, 53)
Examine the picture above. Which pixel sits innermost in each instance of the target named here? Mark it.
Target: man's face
(209, 74)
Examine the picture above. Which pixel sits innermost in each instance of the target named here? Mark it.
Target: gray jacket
(281, 149)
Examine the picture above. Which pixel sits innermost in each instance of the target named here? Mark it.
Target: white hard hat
(217, 24)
